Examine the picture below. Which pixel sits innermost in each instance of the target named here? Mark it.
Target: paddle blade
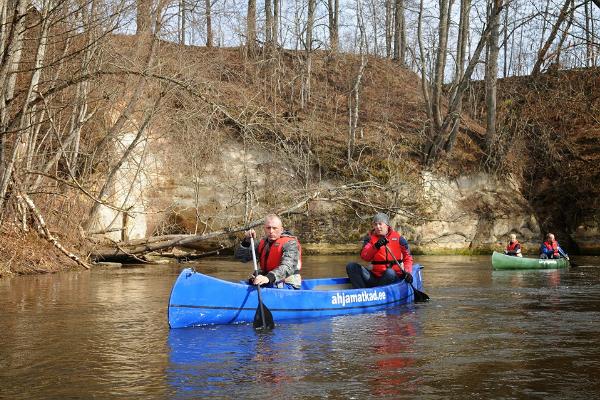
(420, 297)
(263, 319)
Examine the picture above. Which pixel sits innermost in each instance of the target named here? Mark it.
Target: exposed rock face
(471, 213)
(474, 213)
(587, 238)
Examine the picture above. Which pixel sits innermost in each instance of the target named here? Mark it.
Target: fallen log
(135, 248)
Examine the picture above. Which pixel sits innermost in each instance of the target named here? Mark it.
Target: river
(485, 334)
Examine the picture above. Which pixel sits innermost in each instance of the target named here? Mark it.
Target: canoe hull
(198, 299)
(503, 262)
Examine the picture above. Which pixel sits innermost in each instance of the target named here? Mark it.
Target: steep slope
(551, 125)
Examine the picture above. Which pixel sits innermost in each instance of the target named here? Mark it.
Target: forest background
(347, 106)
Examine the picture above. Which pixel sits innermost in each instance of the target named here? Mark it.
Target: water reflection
(342, 356)
(485, 334)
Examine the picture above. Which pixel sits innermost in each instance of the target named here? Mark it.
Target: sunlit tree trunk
(182, 24)
(209, 29)
(310, 22)
(333, 14)
(12, 31)
(251, 28)
(541, 58)
(461, 52)
(440, 63)
(268, 23)
(276, 14)
(491, 76)
(389, 28)
(23, 129)
(399, 32)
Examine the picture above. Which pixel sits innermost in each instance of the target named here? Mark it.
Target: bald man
(278, 253)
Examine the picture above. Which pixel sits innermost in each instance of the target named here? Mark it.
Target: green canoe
(502, 261)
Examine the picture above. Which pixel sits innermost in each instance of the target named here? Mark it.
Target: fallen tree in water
(135, 248)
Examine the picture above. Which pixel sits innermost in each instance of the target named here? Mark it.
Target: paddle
(563, 254)
(263, 319)
(420, 297)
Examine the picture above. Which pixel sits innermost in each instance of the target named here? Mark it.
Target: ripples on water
(485, 334)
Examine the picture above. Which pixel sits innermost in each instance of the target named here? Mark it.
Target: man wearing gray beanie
(381, 248)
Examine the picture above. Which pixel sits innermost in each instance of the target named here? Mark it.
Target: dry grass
(27, 253)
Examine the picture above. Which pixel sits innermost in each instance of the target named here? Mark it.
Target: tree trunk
(440, 63)
(310, 21)
(268, 23)
(209, 29)
(541, 58)
(564, 36)
(423, 67)
(12, 29)
(25, 118)
(399, 32)
(461, 51)
(334, 8)
(276, 13)
(143, 17)
(251, 28)
(491, 77)
(182, 22)
(389, 30)
(438, 136)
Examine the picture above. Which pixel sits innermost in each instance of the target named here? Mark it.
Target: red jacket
(381, 259)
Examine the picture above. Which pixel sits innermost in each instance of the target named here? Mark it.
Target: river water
(485, 334)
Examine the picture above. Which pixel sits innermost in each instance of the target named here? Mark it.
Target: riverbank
(28, 254)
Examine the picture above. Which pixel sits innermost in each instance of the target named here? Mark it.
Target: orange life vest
(271, 258)
(382, 259)
(552, 246)
(512, 246)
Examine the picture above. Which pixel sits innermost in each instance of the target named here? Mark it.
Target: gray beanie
(381, 217)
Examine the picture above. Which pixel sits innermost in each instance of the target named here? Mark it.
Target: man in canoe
(278, 253)
(551, 249)
(381, 248)
(514, 247)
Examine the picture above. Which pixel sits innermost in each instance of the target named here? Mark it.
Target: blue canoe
(198, 299)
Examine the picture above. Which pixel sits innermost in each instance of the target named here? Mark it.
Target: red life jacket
(382, 259)
(512, 246)
(552, 246)
(270, 259)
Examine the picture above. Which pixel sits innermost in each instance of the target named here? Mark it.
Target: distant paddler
(513, 248)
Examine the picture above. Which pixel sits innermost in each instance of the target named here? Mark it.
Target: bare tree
(209, 28)
(491, 75)
(541, 57)
(276, 16)
(461, 54)
(269, 23)
(333, 14)
(440, 64)
(354, 98)
(389, 30)
(143, 17)
(251, 28)
(399, 32)
(181, 16)
(308, 48)
(443, 123)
